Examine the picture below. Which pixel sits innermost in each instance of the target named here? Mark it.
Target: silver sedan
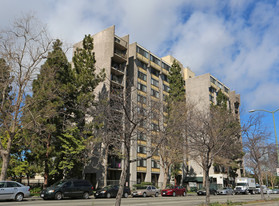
(225, 191)
(10, 190)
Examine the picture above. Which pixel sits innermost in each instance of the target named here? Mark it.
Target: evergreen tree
(177, 90)
(85, 79)
(48, 110)
(176, 105)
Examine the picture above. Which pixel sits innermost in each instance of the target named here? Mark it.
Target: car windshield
(141, 188)
(241, 184)
(59, 183)
(107, 187)
(170, 187)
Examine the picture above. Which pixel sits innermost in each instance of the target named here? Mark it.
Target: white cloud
(237, 41)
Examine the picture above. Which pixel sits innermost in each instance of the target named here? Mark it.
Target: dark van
(111, 191)
(72, 188)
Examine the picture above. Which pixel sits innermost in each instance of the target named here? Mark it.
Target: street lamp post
(272, 112)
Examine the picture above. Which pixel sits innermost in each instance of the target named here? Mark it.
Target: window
(212, 80)
(142, 65)
(141, 149)
(141, 136)
(155, 72)
(165, 66)
(165, 78)
(226, 89)
(141, 163)
(154, 82)
(12, 184)
(166, 88)
(155, 115)
(154, 164)
(141, 99)
(155, 60)
(212, 90)
(154, 127)
(141, 87)
(219, 85)
(142, 123)
(141, 76)
(211, 98)
(142, 52)
(154, 93)
(141, 111)
(165, 97)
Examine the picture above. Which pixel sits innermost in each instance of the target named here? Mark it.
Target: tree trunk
(105, 164)
(5, 162)
(166, 174)
(46, 170)
(207, 186)
(122, 177)
(6, 159)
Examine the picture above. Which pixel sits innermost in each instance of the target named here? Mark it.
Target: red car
(174, 191)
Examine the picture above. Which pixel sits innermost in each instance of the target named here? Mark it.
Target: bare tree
(208, 135)
(23, 46)
(271, 165)
(170, 138)
(256, 146)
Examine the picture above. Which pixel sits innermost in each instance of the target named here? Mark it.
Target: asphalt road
(192, 200)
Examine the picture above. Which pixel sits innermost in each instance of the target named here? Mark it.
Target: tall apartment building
(202, 91)
(131, 65)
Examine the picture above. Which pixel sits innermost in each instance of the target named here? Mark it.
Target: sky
(237, 41)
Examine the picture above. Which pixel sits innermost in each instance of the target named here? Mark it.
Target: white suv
(10, 190)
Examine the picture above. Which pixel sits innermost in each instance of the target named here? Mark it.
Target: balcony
(118, 69)
(120, 56)
(114, 163)
(117, 79)
(120, 43)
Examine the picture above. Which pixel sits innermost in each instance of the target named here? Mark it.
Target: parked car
(68, 188)
(275, 191)
(202, 191)
(225, 191)
(111, 191)
(144, 191)
(11, 190)
(259, 188)
(269, 191)
(174, 191)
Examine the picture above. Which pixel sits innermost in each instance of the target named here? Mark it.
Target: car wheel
(58, 196)
(173, 194)
(156, 194)
(184, 194)
(85, 195)
(126, 195)
(108, 195)
(144, 194)
(19, 197)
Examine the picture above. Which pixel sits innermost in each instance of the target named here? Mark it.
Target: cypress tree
(177, 91)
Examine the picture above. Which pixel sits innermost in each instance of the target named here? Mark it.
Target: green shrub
(35, 191)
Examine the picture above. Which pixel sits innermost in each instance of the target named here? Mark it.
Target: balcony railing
(120, 41)
(120, 53)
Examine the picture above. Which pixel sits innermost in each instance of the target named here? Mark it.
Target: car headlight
(50, 191)
(103, 191)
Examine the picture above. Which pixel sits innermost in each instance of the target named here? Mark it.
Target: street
(191, 200)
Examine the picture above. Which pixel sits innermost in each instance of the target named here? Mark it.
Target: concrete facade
(131, 64)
